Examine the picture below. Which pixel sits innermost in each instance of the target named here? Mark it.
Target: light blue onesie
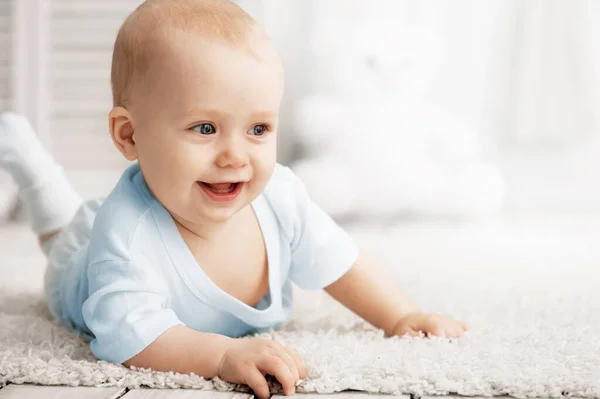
(120, 274)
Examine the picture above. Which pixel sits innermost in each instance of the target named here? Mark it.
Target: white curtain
(523, 73)
(7, 188)
(545, 71)
(5, 53)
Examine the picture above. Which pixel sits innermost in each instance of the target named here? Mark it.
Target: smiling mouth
(221, 188)
(222, 192)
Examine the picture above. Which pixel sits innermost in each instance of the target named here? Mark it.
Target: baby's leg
(45, 193)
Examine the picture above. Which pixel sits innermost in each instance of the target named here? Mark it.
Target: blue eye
(258, 130)
(205, 128)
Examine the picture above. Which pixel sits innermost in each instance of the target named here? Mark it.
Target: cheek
(267, 153)
(158, 156)
(265, 161)
(167, 164)
(168, 154)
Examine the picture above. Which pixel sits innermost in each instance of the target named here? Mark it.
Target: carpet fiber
(529, 293)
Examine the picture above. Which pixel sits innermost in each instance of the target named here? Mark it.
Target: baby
(203, 236)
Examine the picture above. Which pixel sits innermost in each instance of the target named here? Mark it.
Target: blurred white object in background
(373, 145)
(8, 197)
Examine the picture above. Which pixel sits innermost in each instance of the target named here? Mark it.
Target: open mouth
(220, 188)
(222, 191)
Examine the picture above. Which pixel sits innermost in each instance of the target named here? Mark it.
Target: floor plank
(182, 394)
(343, 395)
(477, 397)
(14, 391)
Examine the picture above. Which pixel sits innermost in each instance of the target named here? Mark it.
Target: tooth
(222, 188)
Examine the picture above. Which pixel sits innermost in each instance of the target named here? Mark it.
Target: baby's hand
(429, 324)
(249, 360)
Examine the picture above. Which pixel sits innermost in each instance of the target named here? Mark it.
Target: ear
(122, 132)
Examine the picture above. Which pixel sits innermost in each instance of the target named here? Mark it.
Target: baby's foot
(21, 152)
(15, 133)
(44, 190)
(17, 138)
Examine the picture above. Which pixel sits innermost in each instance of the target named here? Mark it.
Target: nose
(232, 154)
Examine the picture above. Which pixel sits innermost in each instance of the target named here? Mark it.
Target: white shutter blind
(6, 27)
(81, 36)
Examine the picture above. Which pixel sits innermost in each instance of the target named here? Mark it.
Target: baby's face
(206, 132)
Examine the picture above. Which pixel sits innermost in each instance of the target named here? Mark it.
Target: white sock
(49, 199)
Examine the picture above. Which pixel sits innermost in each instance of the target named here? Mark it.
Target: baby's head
(197, 88)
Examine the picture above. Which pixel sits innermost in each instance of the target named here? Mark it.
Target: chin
(219, 215)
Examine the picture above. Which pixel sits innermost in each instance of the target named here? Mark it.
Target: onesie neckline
(198, 281)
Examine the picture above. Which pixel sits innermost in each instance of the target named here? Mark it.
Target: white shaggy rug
(530, 290)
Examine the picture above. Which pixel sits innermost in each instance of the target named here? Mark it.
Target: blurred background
(395, 110)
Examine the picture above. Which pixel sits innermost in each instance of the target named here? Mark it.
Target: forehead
(192, 69)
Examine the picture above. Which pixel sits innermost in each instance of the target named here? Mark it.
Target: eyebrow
(203, 111)
(264, 114)
(211, 112)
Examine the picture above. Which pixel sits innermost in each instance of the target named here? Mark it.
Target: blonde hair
(133, 49)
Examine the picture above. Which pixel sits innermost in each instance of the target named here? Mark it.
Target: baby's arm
(367, 291)
(243, 361)
(183, 350)
(128, 312)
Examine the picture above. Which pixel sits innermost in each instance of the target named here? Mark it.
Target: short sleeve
(127, 309)
(321, 250)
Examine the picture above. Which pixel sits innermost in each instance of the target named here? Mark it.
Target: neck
(206, 231)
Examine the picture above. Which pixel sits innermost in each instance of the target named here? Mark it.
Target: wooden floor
(13, 391)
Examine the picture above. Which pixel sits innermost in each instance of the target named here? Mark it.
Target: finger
(257, 382)
(406, 330)
(300, 365)
(410, 333)
(437, 330)
(291, 363)
(460, 328)
(276, 367)
(456, 331)
(413, 333)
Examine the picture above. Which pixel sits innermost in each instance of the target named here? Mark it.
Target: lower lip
(224, 197)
